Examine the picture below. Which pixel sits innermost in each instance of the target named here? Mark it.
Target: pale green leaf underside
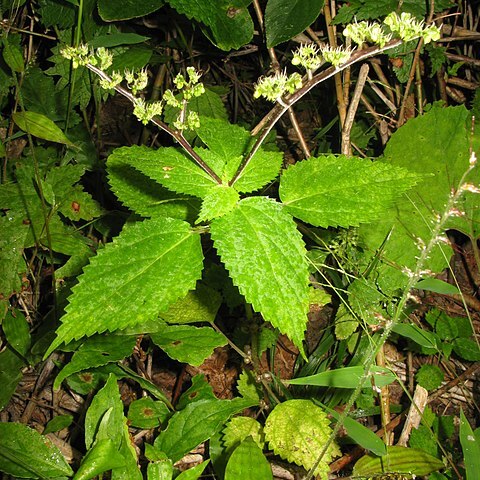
(297, 430)
(219, 201)
(265, 255)
(186, 343)
(342, 191)
(148, 267)
(143, 195)
(435, 143)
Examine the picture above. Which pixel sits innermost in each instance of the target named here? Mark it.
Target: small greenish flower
(179, 81)
(407, 27)
(169, 99)
(357, 32)
(137, 81)
(308, 56)
(431, 34)
(105, 58)
(115, 79)
(78, 55)
(275, 86)
(193, 91)
(193, 120)
(336, 56)
(193, 75)
(146, 111)
(377, 35)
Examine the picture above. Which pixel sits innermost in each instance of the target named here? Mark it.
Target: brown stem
(174, 133)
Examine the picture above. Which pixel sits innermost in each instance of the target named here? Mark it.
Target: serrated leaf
(171, 168)
(219, 201)
(297, 430)
(230, 23)
(248, 463)
(25, 453)
(429, 377)
(435, 143)
(104, 415)
(188, 344)
(147, 413)
(143, 195)
(247, 386)
(11, 366)
(97, 351)
(40, 126)
(467, 349)
(112, 12)
(286, 18)
(196, 423)
(240, 428)
(148, 267)
(265, 255)
(346, 377)
(342, 191)
(398, 460)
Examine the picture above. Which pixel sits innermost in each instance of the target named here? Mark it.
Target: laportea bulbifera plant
(155, 262)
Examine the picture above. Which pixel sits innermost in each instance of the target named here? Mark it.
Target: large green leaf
(149, 266)
(186, 343)
(435, 144)
(297, 430)
(470, 447)
(97, 351)
(126, 9)
(40, 126)
(196, 423)
(265, 255)
(25, 453)
(342, 191)
(229, 22)
(169, 167)
(142, 194)
(248, 463)
(286, 18)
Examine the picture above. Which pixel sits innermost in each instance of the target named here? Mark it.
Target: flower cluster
(137, 81)
(145, 111)
(78, 55)
(308, 56)
(336, 56)
(362, 32)
(275, 86)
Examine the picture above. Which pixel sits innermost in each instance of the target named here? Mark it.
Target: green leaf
(147, 413)
(342, 191)
(219, 201)
(346, 377)
(199, 390)
(286, 18)
(103, 456)
(429, 377)
(171, 168)
(58, 423)
(398, 460)
(248, 387)
(97, 351)
(435, 143)
(105, 415)
(143, 195)
(248, 463)
(10, 374)
(265, 255)
(425, 339)
(144, 270)
(193, 473)
(25, 453)
(40, 126)
(467, 349)
(131, 470)
(470, 448)
(196, 423)
(12, 54)
(229, 22)
(297, 430)
(17, 331)
(112, 12)
(199, 305)
(115, 39)
(239, 429)
(188, 344)
(438, 286)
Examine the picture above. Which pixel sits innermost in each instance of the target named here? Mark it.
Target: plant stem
(276, 113)
(178, 136)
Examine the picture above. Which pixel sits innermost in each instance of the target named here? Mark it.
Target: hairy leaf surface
(143, 195)
(265, 255)
(436, 144)
(149, 266)
(218, 202)
(297, 430)
(342, 191)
